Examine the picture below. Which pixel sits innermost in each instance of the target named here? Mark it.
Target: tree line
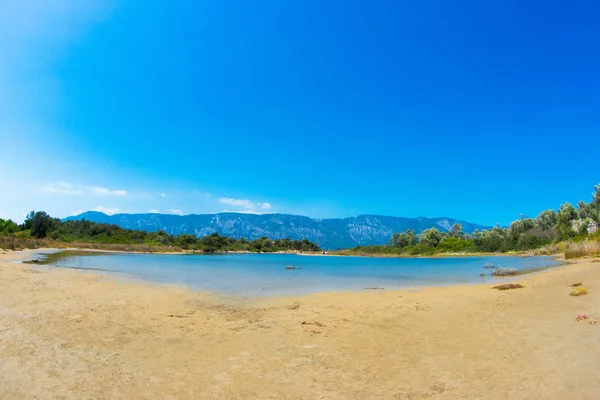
(550, 226)
(42, 226)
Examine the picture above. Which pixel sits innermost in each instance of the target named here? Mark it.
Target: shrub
(504, 272)
(420, 248)
(453, 245)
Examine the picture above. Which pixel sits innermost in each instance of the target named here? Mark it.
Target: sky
(480, 111)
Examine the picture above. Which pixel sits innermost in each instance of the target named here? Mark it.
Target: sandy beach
(66, 334)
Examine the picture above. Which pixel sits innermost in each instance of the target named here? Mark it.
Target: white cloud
(108, 211)
(163, 195)
(67, 188)
(244, 203)
(237, 202)
(154, 211)
(175, 211)
(62, 188)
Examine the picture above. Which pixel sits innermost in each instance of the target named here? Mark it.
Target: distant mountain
(328, 233)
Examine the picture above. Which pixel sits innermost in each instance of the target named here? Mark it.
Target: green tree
(431, 237)
(520, 226)
(28, 220)
(8, 226)
(404, 239)
(547, 219)
(40, 224)
(566, 214)
(456, 231)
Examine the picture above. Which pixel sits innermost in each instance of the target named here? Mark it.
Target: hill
(330, 233)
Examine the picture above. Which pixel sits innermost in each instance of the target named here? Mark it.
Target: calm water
(265, 274)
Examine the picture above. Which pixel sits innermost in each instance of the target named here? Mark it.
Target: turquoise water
(265, 274)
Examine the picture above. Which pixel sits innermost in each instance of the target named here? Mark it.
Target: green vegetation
(571, 229)
(41, 229)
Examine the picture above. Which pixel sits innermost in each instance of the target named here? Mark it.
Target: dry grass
(14, 243)
(509, 286)
(119, 247)
(580, 291)
(550, 249)
(583, 249)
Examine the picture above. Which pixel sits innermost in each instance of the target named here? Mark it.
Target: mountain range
(332, 233)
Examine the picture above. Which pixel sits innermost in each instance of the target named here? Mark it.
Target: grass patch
(582, 249)
(509, 286)
(580, 291)
(21, 243)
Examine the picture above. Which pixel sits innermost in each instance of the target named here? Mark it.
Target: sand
(67, 334)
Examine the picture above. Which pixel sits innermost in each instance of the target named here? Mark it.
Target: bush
(504, 272)
(453, 245)
(421, 249)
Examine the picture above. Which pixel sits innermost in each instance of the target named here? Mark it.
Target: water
(265, 274)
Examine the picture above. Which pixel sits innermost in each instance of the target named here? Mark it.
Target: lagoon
(266, 274)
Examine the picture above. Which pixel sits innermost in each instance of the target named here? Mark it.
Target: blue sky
(467, 109)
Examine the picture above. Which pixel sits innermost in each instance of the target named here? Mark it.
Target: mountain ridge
(329, 233)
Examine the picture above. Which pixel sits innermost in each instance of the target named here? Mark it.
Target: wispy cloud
(154, 211)
(100, 191)
(175, 211)
(163, 195)
(66, 188)
(245, 204)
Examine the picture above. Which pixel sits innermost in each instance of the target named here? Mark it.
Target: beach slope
(73, 335)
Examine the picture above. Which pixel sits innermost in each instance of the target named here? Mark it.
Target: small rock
(581, 317)
(178, 316)
(421, 307)
(315, 323)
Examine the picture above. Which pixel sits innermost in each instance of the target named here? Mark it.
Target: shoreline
(72, 334)
(307, 254)
(323, 253)
(485, 280)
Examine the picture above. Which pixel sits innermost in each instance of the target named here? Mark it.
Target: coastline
(51, 255)
(142, 340)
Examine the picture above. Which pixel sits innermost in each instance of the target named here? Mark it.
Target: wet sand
(80, 335)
